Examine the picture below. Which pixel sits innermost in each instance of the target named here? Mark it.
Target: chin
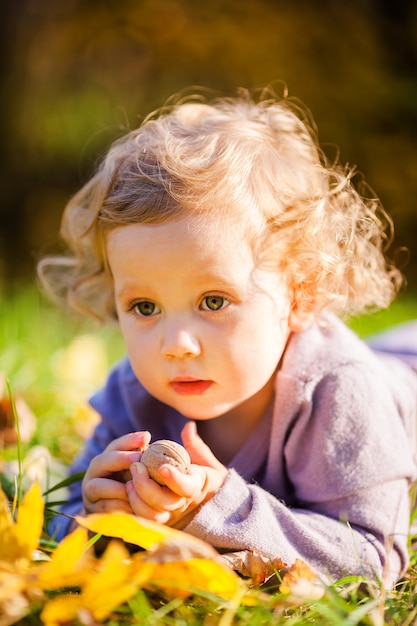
(198, 415)
(195, 407)
(201, 413)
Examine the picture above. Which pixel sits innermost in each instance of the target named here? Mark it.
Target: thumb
(199, 451)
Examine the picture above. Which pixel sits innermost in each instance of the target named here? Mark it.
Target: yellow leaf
(107, 588)
(180, 562)
(60, 610)
(140, 531)
(6, 529)
(69, 565)
(20, 539)
(28, 528)
(112, 585)
(184, 577)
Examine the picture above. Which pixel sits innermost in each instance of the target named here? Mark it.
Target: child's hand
(176, 503)
(103, 485)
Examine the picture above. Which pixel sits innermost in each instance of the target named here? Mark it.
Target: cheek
(126, 330)
(139, 347)
(269, 321)
(256, 348)
(144, 361)
(269, 342)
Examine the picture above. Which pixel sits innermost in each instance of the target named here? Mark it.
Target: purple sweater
(324, 477)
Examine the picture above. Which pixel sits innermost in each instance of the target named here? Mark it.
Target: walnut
(165, 451)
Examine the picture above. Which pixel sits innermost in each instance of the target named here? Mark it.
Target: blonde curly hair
(255, 162)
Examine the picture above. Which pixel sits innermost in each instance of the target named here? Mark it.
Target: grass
(54, 362)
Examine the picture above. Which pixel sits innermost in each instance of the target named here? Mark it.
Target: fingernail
(134, 469)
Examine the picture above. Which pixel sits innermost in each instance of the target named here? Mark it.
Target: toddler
(228, 249)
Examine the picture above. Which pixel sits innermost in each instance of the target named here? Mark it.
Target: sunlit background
(76, 74)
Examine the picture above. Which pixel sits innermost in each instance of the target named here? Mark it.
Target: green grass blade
(74, 478)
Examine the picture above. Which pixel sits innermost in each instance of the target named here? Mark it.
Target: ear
(300, 318)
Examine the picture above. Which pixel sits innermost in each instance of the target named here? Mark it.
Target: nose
(179, 343)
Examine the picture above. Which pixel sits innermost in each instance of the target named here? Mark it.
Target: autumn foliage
(71, 583)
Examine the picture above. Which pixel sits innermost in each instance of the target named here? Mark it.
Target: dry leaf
(250, 564)
(302, 582)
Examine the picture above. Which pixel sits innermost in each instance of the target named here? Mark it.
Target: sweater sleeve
(347, 463)
(243, 516)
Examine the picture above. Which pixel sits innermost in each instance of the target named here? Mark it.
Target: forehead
(184, 242)
(205, 233)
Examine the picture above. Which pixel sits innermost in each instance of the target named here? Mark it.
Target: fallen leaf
(250, 564)
(180, 562)
(144, 533)
(70, 565)
(112, 584)
(109, 586)
(184, 577)
(60, 610)
(302, 582)
(21, 538)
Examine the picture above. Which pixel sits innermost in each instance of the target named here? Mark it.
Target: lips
(190, 386)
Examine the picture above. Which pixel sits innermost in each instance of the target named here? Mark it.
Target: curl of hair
(246, 161)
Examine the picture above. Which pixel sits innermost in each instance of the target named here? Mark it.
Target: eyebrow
(214, 281)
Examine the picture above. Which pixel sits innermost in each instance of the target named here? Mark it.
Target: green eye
(213, 303)
(146, 308)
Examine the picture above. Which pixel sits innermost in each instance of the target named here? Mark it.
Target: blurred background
(75, 74)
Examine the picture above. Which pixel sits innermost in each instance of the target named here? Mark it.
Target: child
(224, 244)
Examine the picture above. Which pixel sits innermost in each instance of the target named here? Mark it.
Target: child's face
(204, 328)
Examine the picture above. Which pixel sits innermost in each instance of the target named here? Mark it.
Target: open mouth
(192, 387)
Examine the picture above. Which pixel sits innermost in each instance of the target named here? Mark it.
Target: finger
(159, 498)
(108, 506)
(185, 485)
(103, 489)
(141, 508)
(109, 462)
(198, 450)
(132, 441)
